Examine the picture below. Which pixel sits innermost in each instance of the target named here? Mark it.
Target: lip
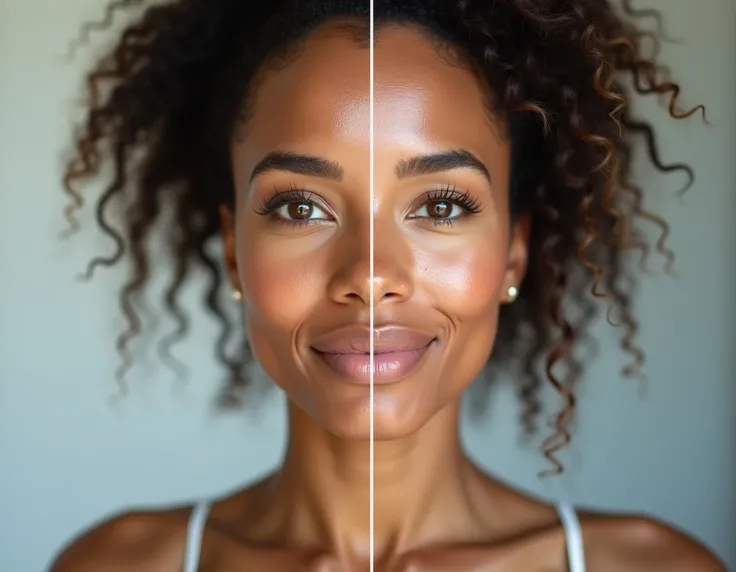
(386, 339)
(397, 352)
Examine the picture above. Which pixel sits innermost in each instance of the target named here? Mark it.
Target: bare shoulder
(639, 543)
(131, 541)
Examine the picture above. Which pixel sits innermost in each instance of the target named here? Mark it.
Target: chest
(541, 553)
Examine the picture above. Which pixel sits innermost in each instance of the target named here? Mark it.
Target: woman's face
(298, 244)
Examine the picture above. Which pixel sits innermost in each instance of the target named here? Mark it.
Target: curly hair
(168, 97)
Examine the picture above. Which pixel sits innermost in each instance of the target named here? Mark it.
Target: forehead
(320, 99)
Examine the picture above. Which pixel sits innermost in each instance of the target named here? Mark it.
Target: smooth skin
(440, 268)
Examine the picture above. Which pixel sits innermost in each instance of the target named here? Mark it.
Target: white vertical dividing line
(371, 319)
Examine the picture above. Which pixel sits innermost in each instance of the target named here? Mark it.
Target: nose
(389, 282)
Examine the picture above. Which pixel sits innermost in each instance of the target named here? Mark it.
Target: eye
(300, 211)
(445, 205)
(295, 207)
(440, 209)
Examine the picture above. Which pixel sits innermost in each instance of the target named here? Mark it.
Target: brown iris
(439, 209)
(300, 211)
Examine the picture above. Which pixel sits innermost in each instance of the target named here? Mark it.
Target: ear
(228, 244)
(518, 252)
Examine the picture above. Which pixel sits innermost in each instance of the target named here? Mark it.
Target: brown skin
(301, 281)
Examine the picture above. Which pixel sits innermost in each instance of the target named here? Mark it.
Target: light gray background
(68, 459)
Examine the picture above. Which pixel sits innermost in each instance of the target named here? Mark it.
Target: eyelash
(449, 194)
(278, 199)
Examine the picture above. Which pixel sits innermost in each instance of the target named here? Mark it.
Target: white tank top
(566, 512)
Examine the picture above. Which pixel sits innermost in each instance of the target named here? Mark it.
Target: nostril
(388, 296)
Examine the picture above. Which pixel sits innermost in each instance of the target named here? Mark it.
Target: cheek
(281, 282)
(465, 281)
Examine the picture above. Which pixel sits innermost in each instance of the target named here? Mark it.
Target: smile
(397, 353)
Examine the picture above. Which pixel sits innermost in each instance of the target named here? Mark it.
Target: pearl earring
(511, 294)
(237, 295)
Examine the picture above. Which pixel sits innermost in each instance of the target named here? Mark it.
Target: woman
(500, 173)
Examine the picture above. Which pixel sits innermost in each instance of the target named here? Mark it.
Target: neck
(420, 483)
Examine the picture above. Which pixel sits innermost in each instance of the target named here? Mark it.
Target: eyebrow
(440, 162)
(299, 165)
(415, 167)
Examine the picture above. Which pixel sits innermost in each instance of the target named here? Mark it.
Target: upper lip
(386, 339)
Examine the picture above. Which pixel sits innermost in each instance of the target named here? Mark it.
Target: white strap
(195, 531)
(573, 537)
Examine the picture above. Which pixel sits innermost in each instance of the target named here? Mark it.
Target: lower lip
(388, 367)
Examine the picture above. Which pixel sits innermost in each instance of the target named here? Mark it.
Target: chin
(393, 420)
(403, 409)
(388, 426)
(352, 420)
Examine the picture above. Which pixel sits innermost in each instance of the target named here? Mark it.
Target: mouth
(397, 352)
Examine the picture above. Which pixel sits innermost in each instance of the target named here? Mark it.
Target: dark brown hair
(174, 85)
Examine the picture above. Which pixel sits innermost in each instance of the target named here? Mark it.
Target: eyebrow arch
(299, 165)
(440, 162)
